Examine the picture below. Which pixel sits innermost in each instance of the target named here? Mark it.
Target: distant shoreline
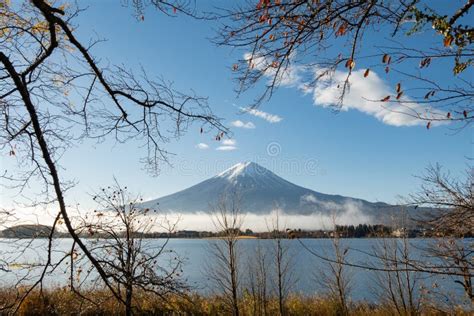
(359, 231)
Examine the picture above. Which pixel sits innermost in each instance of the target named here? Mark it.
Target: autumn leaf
(425, 62)
(448, 40)
(448, 116)
(399, 95)
(385, 99)
(366, 73)
(399, 87)
(385, 58)
(341, 30)
(464, 113)
(350, 63)
(428, 125)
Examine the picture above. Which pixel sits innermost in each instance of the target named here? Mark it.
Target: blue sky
(349, 153)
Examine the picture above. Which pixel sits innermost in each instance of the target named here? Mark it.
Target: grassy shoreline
(62, 301)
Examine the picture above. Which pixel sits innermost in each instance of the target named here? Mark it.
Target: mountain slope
(260, 191)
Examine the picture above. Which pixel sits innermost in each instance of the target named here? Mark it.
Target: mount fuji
(261, 191)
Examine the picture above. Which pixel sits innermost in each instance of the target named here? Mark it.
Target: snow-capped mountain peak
(247, 168)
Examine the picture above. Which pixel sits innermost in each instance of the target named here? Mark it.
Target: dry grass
(66, 302)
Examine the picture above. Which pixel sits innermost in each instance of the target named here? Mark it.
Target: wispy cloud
(287, 76)
(202, 146)
(229, 142)
(271, 118)
(365, 94)
(227, 145)
(226, 148)
(240, 124)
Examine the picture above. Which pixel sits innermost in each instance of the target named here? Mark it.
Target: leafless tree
(283, 277)
(132, 262)
(335, 276)
(451, 217)
(282, 40)
(224, 269)
(54, 92)
(398, 287)
(258, 274)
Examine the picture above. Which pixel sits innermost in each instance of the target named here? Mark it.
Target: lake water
(306, 268)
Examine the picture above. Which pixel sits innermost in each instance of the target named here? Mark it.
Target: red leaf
(385, 99)
(366, 73)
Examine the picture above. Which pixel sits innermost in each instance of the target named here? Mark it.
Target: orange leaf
(366, 73)
(385, 58)
(350, 63)
(341, 30)
(447, 41)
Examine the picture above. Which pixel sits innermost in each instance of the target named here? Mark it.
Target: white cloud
(271, 118)
(226, 148)
(227, 145)
(202, 146)
(288, 76)
(240, 124)
(229, 142)
(364, 95)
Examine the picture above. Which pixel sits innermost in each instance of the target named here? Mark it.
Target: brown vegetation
(65, 302)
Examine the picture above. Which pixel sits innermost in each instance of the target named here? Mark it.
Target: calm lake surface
(306, 268)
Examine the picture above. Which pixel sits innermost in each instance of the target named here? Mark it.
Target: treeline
(342, 231)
